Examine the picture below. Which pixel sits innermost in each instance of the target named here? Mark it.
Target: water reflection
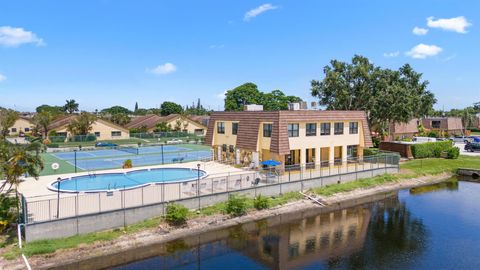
(386, 232)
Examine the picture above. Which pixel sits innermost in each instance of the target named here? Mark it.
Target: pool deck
(33, 189)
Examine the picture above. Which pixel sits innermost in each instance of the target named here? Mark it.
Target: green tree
(387, 96)
(277, 100)
(163, 127)
(70, 106)
(136, 107)
(17, 161)
(82, 125)
(116, 110)
(42, 121)
(119, 119)
(244, 94)
(54, 110)
(7, 120)
(169, 107)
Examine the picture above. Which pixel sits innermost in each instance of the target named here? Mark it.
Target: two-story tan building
(291, 137)
(448, 125)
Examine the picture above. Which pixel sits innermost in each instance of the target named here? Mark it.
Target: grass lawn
(475, 133)
(440, 165)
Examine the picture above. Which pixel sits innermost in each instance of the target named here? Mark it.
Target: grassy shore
(410, 169)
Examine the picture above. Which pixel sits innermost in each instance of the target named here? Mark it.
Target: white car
(424, 139)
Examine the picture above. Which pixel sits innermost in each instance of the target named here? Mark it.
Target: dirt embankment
(164, 233)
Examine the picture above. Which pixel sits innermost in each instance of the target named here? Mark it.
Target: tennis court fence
(68, 205)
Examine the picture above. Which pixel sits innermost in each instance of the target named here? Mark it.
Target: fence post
(99, 203)
(142, 196)
(385, 163)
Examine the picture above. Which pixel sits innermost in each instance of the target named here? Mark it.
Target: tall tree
(70, 106)
(136, 107)
(116, 110)
(42, 121)
(387, 96)
(7, 120)
(119, 119)
(54, 110)
(169, 107)
(82, 125)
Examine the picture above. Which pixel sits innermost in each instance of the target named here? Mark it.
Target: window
(435, 124)
(14, 130)
(311, 129)
(234, 128)
(27, 129)
(324, 129)
(353, 127)
(221, 128)
(338, 128)
(116, 133)
(97, 134)
(292, 130)
(352, 151)
(267, 130)
(231, 148)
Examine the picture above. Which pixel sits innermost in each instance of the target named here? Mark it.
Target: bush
(430, 149)
(176, 214)
(8, 211)
(261, 202)
(236, 206)
(453, 153)
(127, 164)
(370, 151)
(433, 134)
(52, 145)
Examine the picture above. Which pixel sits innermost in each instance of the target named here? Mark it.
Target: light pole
(59, 180)
(75, 157)
(198, 184)
(162, 153)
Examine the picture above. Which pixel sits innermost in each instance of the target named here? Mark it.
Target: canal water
(430, 227)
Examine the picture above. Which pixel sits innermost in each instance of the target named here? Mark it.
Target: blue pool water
(111, 181)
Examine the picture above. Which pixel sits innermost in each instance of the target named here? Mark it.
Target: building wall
(20, 125)
(104, 129)
(191, 127)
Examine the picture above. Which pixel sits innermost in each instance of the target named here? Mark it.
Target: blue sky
(116, 52)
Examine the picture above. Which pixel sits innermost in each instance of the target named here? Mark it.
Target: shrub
(433, 134)
(370, 151)
(453, 153)
(430, 149)
(176, 214)
(127, 164)
(261, 202)
(8, 211)
(57, 139)
(236, 206)
(52, 145)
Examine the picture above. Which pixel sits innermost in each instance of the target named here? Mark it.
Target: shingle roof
(249, 124)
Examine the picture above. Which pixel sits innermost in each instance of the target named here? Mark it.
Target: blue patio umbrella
(270, 163)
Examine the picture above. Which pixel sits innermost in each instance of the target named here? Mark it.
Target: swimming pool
(132, 179)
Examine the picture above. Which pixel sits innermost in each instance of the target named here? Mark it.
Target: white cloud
(457, 24)
(419, 31)
(257, 11)
(13, 37)
(163, 69)
(422, 51)
(222, 95)
(391, 54)
(2, 77)
(216, 46)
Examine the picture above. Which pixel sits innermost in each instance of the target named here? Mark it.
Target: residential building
(103, 130)
(22, 124)
(175, 121)
(447, 125)
(399, 131)
(291, 137)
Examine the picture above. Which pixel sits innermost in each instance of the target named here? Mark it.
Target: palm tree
(70, 106)
(16, 161)
(82, 125)
(42, 120)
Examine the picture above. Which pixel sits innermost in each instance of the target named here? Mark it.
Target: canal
(430, 227)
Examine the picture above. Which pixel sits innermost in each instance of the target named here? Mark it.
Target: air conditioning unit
(253, 107)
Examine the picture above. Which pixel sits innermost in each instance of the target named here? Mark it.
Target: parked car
(472, 146)
(424, 139)
(460, 139)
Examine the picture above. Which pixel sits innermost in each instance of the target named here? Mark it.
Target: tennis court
(90, 160)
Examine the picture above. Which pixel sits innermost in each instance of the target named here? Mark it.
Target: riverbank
(156, 231)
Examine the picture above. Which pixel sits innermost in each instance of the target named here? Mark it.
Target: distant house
(103, 130)
(399, 131)
(23, 124)
(175, 121)
(449, 125)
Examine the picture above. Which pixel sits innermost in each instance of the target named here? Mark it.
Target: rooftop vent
(302, 105)
(253, 107)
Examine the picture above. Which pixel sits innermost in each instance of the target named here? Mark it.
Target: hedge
(430, 149)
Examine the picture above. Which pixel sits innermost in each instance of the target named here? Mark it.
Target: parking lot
(463, 152)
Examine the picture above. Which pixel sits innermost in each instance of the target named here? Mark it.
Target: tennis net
(132, 150)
